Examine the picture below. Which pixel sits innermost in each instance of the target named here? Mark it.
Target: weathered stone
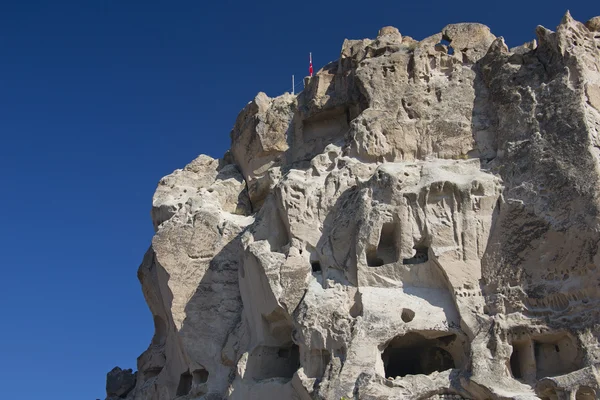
(390, 31)
(119, 382)
(469, 40)
(593, 24)
(259, 140)
(525, 47)
(424, 223)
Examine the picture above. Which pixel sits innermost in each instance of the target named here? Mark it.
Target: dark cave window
(413, 354)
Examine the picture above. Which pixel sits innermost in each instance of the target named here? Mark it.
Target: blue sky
(98, 101)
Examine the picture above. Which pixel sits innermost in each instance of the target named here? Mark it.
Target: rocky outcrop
(421, 222)
(593, 24)
(119, 383)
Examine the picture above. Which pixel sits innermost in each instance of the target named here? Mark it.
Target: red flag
(310, 68)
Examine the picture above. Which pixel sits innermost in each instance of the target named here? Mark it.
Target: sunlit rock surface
(421, 222)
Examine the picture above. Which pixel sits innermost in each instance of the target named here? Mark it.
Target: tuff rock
(421, 222)
(119, 382)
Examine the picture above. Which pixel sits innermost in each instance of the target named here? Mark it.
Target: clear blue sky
(98, 101)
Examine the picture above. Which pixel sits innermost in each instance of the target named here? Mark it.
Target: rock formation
(119, 383)
(421, 222)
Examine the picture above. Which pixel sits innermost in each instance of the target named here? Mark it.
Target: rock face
(421, 222)
(119, 383)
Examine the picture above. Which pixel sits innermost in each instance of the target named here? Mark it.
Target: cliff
(421, 222)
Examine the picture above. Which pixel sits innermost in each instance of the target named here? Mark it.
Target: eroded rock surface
(421, 222)
(119, 382)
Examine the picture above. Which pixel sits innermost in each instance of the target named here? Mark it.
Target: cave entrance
(315, 263)
(585, 393)
(414, 354)
(315, 266)
(421, 256)
(266, 362)
(386, 251)
(200, 376)
(543, 356)
(555, 355)
(522, 361)
(185, 384)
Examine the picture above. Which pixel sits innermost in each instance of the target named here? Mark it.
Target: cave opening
(522, 363)
(200, 376)
(386, 251)
(543, 356)
(185, 384)
(421, 256)
(445, 43)
(160, 331)
(266, 362)
(555, 355)
(414, 354)
(515, 364)
(522, 360)
(407, 315)
(316, 266)
(585, 393)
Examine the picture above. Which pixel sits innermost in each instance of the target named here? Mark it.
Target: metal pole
(293, 86)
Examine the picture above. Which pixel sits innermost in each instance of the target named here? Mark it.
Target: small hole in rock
(420, 257)
(200, 376)
(316, 266)
(446, 43)
(407, 315)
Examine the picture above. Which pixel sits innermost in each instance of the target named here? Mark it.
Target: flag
(310, 67)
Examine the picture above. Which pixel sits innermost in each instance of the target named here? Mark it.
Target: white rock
(420, 222)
